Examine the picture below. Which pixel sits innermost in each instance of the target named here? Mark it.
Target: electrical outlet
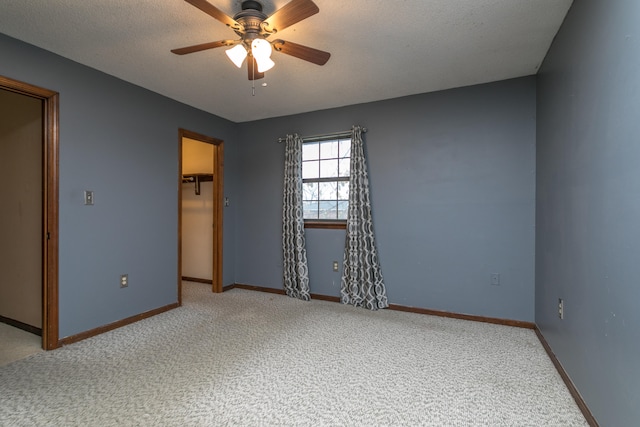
(335, 265)
(560, 308)
(124, 280)
(495, 279)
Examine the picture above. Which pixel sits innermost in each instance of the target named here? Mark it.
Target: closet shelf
(197, 178)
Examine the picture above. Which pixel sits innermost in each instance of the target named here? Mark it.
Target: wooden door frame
(50, 111)
(218, 206)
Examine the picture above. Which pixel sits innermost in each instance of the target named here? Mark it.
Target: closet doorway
(201, 201)
(29, 218)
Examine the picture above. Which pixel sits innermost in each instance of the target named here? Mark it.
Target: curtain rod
(324, 136)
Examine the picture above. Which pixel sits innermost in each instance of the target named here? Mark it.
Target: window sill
(327, 225)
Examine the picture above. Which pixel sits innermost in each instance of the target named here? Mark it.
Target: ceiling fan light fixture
(237, 54)
(265, 64)
(261, 51)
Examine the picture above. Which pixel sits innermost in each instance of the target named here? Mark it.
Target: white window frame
(333, 168)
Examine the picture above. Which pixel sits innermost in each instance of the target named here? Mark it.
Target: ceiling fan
(254, 27)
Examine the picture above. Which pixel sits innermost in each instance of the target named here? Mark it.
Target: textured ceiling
(380, 49)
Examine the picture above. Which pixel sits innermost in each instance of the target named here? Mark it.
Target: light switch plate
(88, 197)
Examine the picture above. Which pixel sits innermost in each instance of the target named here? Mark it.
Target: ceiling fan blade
(211, 10)
(203, 46)
(252, 67)
(310, 54)
(291, 13)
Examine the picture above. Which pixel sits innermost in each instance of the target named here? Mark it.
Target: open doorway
(32, 142)
(201, 200)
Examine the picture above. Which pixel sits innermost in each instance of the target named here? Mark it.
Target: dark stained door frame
(218, 206)
(50, 101)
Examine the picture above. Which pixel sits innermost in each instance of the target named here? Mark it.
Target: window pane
(310, 191)
(310, 210)
(345, 167)
(326, 160)
(328, 191)
(343, 208)
(343, 190)
(329, 150)
(328, 210)
(328, 168)
(345, 147)
(310, 169)
(310, 151)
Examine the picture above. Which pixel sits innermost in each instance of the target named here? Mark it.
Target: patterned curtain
(296, 272)
(362, 283)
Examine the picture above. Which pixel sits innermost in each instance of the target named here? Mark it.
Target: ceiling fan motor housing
(252, 4)
(251, 18)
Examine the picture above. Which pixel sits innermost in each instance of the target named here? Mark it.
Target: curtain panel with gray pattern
(362, 284)
(296, 271)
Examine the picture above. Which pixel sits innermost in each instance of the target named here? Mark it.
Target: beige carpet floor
(16, 344)
(246, 358)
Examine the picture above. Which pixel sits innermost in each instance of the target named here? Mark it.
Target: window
(325, 180)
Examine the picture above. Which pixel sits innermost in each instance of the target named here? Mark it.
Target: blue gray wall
(452, 179)
(588, 205)
(120, 141)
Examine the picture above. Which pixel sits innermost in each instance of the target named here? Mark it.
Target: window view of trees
(325, 179)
